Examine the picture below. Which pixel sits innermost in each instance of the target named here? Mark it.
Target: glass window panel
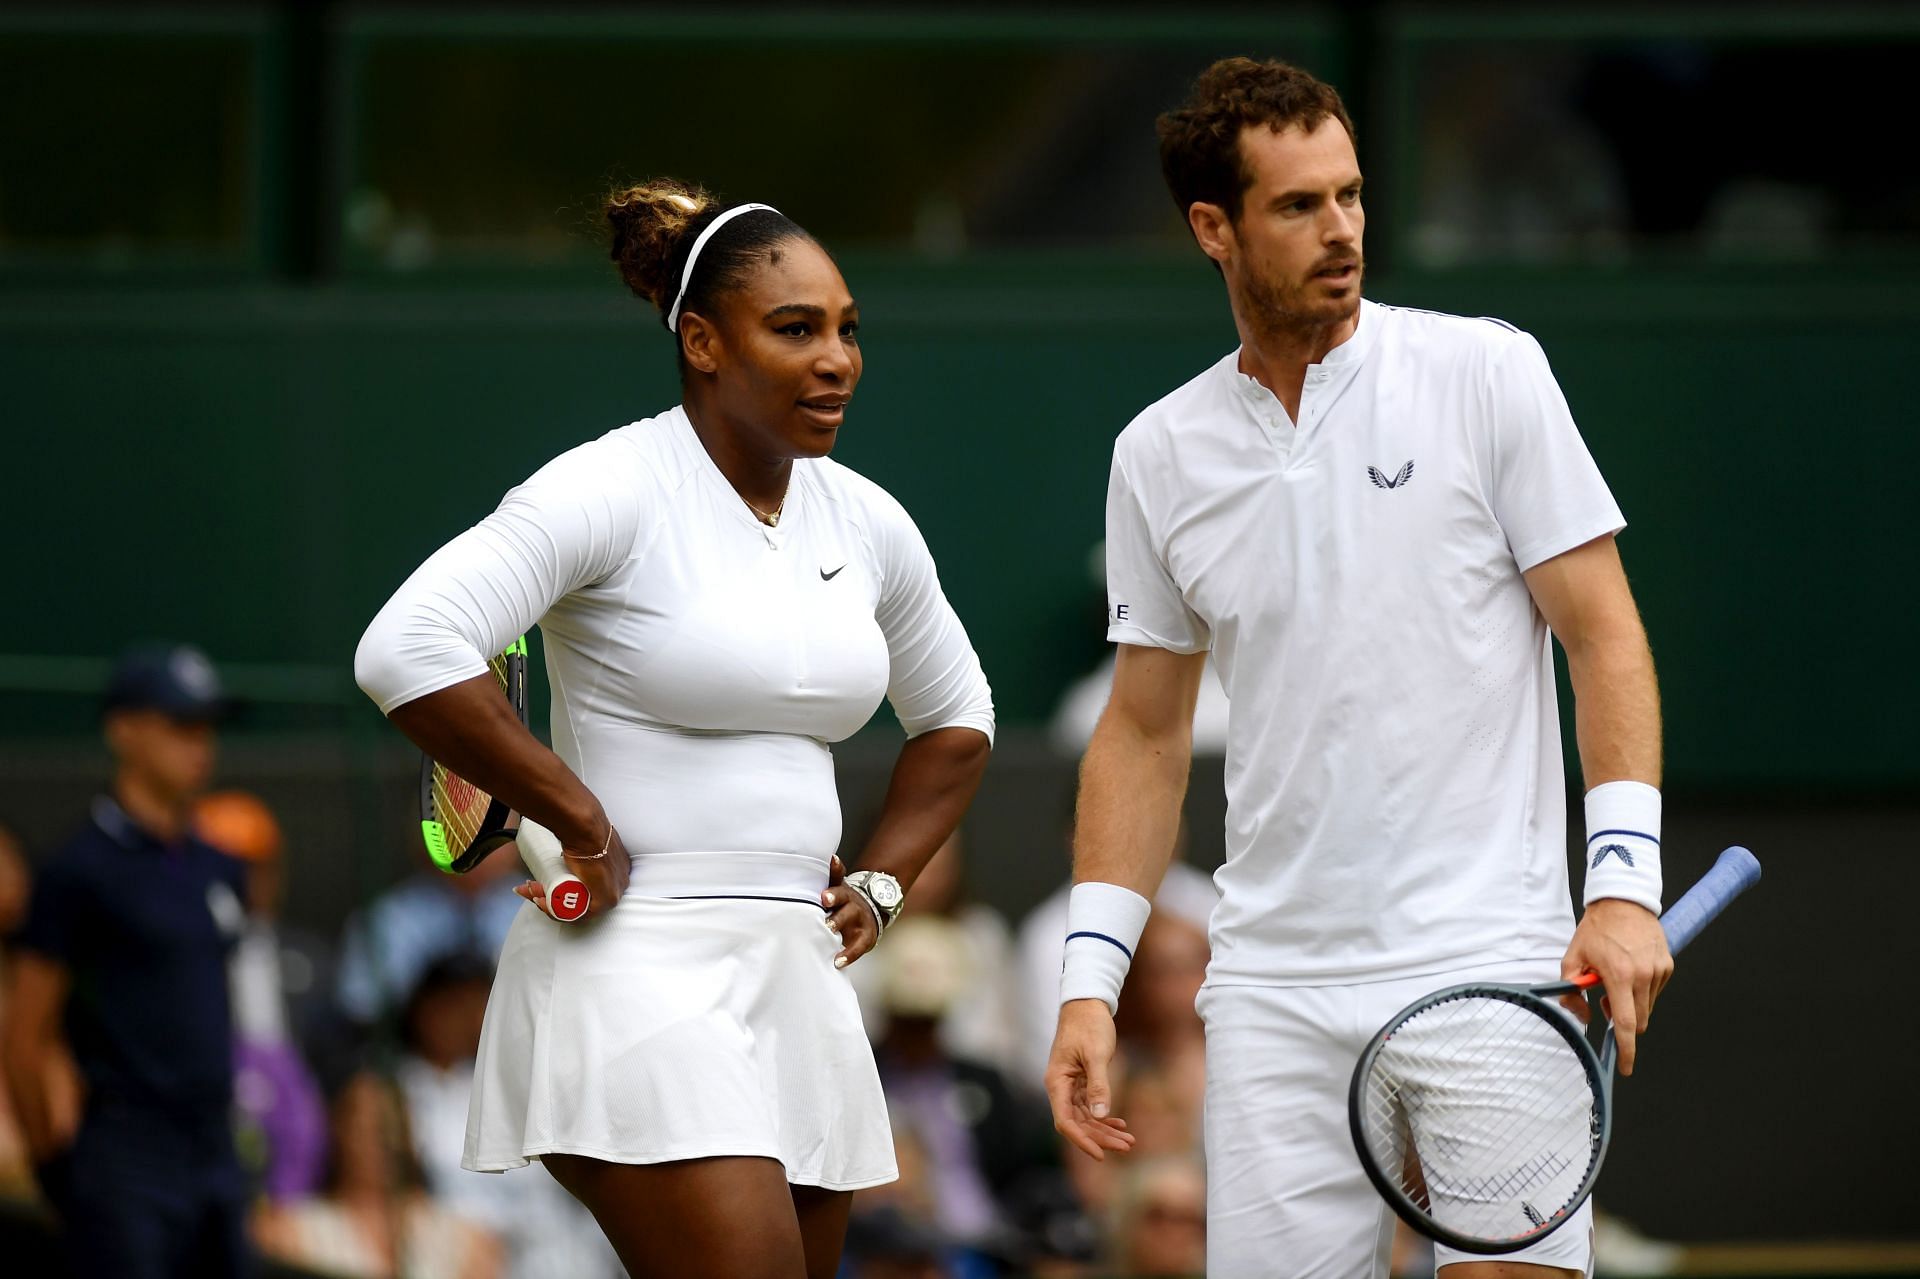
(1683, 144)
(497, 146)
(127, 150)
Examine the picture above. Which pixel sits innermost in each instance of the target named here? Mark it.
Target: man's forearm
(1616, 701)
(1128, 813)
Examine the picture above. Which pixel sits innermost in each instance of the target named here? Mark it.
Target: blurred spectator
(1507, 170)
(910, 1195)
(1081, 705)
(1059, 1239)
(1620, 1249)
(1159, 1217)
(886, 1243)
(121, 979)
(375, 1221)
(981, 1137)
(283, 1136)
(546, 1231)
(1186, 893)
(284, 974)
(1158, 1073)
(982, 1023)
(1163, 1037)
(429, 916)
(16, 883)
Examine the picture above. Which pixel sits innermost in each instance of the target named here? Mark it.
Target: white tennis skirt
(680, 1027)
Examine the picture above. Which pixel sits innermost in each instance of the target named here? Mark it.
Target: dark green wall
(259, 467)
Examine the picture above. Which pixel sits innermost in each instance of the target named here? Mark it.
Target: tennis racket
(461, 823)
(1481, 1112)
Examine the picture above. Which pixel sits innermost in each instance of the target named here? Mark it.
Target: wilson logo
(569, 903)
(1382, 482)
(1618, 850)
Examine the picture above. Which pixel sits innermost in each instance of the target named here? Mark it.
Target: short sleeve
(570, 525)
(934, 679)
(1547, 493)
(1144, 605)
(53, 920)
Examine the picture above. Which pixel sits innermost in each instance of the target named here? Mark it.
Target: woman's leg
(823, 1227)
(727, 1218)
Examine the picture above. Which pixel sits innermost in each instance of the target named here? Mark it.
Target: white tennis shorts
(1285, 1192)
(679, 1029)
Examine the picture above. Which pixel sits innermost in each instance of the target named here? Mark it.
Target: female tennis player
(719, 601)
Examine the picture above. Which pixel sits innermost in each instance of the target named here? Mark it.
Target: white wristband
(1104, 923)
(1623, 843)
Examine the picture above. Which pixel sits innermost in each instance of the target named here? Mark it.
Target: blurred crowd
(353, 1053)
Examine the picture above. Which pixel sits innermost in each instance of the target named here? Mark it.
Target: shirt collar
(1355, 348)
(1341, 359)
(122, 829)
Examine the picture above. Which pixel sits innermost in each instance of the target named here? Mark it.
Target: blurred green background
(291, 293)
(290, 296)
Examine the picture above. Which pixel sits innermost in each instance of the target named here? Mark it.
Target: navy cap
(176, 679)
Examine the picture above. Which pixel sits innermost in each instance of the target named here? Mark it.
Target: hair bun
(648, 222)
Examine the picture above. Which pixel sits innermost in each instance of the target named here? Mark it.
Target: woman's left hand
(848, 917)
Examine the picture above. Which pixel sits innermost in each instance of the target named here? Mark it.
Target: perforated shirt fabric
(1396, 799)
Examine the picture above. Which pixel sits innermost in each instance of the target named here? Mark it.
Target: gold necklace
(769, 518)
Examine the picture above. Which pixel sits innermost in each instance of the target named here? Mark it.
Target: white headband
(686, 276)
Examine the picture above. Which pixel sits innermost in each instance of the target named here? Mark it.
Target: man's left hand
(1623, 942)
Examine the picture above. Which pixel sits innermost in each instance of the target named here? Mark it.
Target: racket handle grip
(567, 896)
(1734, 872)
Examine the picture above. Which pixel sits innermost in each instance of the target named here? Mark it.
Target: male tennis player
(1372, 517)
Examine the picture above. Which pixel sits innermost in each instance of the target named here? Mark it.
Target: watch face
(885, 890)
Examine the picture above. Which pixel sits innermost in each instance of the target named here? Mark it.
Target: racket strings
(459, 805)
(1481, 1112)
(1496, 1052)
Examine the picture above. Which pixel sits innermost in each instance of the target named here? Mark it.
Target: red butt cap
(568, 900)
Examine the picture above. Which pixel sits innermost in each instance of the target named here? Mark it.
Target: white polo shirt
(1395, 795)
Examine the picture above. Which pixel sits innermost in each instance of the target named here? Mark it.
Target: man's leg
(123, 1228)
(219, 1247)
(1567, 1253)
(1475, 1195)
(1285, 1194)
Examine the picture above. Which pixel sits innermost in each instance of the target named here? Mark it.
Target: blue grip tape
(1734, 872)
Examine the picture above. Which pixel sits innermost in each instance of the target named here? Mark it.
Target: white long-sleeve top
(700, 662)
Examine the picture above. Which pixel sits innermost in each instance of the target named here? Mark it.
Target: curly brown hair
(648, 221)
(652, 227)
(1200, 140)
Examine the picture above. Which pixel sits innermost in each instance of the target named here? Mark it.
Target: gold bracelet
(593, 857)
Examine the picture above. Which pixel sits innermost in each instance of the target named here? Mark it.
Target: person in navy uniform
(120, 988)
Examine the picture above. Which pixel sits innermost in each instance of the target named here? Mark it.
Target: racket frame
(1733, 872)
(498, 826)
(1598, 1066)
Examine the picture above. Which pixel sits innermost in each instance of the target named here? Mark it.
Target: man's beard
(1288, 308)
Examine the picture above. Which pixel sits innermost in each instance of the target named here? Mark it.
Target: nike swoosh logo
(828, 577)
